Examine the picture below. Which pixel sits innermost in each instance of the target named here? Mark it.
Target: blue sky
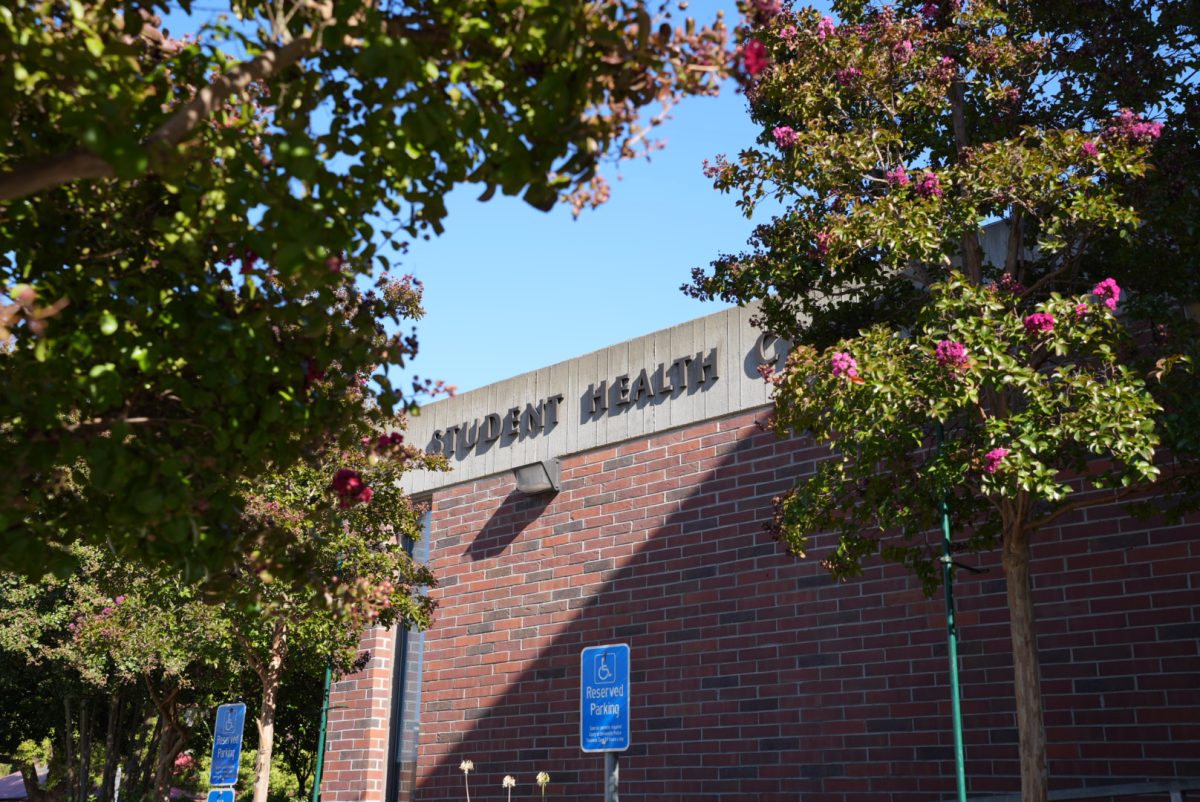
(509, 289)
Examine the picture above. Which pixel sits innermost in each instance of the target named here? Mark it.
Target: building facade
(754, 676)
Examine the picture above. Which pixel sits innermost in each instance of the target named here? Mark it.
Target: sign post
(604, 707)
(227, 750)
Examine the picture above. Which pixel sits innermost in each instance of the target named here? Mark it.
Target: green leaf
(108, 323)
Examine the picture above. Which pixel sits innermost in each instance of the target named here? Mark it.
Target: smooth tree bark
(1027, 674)
(172, 737)
(270, 674)
(140, 773)
(68, 743)
(33, 789)
(112, 749)
(85, 749)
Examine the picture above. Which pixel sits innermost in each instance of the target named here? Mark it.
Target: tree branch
(27, 179)
(1123, 493)
(972, 252)
(252, 656)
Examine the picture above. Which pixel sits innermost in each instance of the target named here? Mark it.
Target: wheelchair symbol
(604, 673)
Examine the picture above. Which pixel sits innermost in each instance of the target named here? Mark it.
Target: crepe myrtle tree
(891, 136)
(178, 216)
(115, 631)
(350, 534)
(1037, 408)
(119, 660)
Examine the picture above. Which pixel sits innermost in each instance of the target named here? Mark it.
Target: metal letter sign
(227, 744)
(604, 698)
(220, 795)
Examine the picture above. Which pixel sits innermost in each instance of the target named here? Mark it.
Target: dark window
(406, 695)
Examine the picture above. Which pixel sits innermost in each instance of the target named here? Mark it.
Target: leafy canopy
(196, 232)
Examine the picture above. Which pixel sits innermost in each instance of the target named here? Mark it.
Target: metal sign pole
(612, 773)
(960, 772)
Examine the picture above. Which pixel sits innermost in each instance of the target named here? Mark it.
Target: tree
(298, 715)
(114, 651)
(350, 534)
(179, 215)
(118, 644)
(1040, 343)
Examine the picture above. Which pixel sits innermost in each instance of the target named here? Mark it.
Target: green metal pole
(960, 770)
(320, 768)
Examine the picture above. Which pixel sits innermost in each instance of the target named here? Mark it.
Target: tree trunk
(68, 754)
(143, 775)
(85, 749)
(972, 253)
(171, 739)
(302, 779)
(1027, 681)
(33, 789)
(112, 749)
(170, 744)
(270, 674)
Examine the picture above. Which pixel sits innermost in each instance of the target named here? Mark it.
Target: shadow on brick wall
(514, 513)
(757, 677)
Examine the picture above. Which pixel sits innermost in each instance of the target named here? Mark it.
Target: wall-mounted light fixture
(539, 477)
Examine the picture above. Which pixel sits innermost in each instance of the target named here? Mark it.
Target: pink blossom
(847, 76)
(825, 28)
(384, 441)
(769, 374)
(785, 136)
(755, 58)
(822, 239)
(119, 600)
(944, 70)
(929, 11)
(1008, 283)
(334, 263)
(351, 489)
(843, 364)
(897, 176)
(1088, 150)
(768, 8)
(929, 185)
(1081, 310)
(788, 32)
(1133, 127)
(1039, 322)
(992, 459)
(1108, 291)
(347, 482)
(952, 355)
(903, 51)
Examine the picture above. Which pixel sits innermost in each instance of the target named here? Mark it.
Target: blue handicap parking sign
(227, 745)
(604, 698)
(220, 795)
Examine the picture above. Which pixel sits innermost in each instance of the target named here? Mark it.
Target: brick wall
(357, 741)
(754, 676)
